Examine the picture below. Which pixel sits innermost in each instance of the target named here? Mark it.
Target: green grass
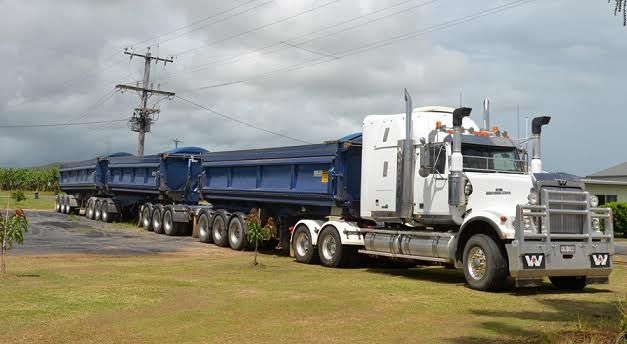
(45, 201)
(215, 296)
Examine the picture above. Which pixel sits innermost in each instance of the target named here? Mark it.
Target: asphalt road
(54, 233)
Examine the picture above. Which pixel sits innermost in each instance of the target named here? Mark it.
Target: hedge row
(34, 179)
(619, 212)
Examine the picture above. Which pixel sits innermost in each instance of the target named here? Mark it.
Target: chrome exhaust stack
(457, 179)
(536, 131)
(405, 184)
(486, 114)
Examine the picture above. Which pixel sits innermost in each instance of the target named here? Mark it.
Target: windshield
(482, 158)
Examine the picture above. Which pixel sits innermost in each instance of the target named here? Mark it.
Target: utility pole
(143, 116)
(176, 142)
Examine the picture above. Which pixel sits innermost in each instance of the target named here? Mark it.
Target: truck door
(431, 193)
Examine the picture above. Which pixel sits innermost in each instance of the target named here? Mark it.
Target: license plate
(567, 249)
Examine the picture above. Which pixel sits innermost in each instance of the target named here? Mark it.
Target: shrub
(619, 212)
(18, 195)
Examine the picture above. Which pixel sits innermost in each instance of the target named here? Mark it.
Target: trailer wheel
(104, 211)
(237, 232)
(157, 220)
(569, 282)
(304, 251)
(219, 229)
(63, 205)
(89, 213)
(204, 231)
(57, 205)
(169, 226)
(98, 210)
(330, 249)
(485, 267)
(147, 217)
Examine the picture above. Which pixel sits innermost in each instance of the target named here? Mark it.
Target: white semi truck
(437, 188)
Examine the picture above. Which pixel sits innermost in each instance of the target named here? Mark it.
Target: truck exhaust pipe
(405, 184)
(486, 114)
(457, 179)
(536, 131)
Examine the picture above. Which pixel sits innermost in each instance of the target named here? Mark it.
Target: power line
(193, 23)
(377, 44)
(60, 124)
(240, 121)
(278, 21)
(218, 21)
(280, 45)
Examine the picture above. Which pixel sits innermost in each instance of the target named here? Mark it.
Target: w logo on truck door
(533, 261)
(600, 260)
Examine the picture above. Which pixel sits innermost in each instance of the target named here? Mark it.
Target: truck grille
(566, 223)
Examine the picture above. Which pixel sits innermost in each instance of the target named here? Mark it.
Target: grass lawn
(215, 296)
(45, 201)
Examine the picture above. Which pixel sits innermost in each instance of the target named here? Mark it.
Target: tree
(620, 6)
(256, 232)
(12, 230)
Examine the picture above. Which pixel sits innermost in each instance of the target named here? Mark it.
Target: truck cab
(437, 188)
(442, 189)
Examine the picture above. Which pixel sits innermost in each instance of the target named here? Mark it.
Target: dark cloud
(561, 58)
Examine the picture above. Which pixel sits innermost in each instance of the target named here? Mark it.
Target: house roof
(619, 170)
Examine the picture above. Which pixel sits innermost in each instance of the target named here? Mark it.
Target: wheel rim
(302, 244)
(235, 232)
(98, 210)
(57, 207)
(202, 226)
(146, 217)
(477, 264)
(167, 222)
(328, 247)
(156, 220)
(90, 210)
(218, 233)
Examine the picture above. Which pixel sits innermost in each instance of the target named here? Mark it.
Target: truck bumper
(530, 261)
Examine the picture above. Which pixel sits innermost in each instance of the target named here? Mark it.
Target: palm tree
(621, 6)
(12, 230)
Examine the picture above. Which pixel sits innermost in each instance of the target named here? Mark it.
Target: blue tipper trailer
(117, 186)
(167, 190)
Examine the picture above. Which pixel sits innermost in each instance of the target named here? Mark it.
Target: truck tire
(170, 227)
(304, 251)
(64, 205)
(98, 210)
(57, 204)
(238, 239)
(569, 282)
(204, 228)
(91, 211)
(147, 217)
(485, 267)
(157, 219)
(105, 216)
(219, 230)
(330, 249)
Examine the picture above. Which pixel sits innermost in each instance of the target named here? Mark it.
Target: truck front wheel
(304, 251)
(330, 249)
(485, 267)
(569, 282)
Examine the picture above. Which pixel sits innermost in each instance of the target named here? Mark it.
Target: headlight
(594, 201)
(596, 225)
(468, 189)
(533, 198)
(526, 222)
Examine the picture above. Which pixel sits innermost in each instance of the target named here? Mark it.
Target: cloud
(59, 58)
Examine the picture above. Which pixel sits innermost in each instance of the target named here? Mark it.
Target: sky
(309, 71)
